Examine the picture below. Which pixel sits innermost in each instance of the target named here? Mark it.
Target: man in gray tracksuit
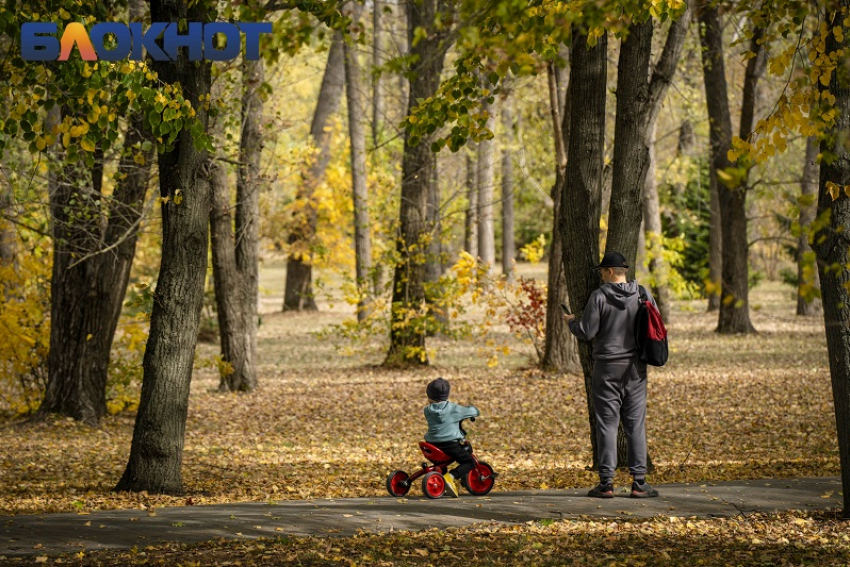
(619, 379)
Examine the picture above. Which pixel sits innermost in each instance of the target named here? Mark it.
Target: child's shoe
(451, 485)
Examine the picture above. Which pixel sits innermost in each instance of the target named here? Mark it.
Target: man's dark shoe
(602, 491)
(643, 490)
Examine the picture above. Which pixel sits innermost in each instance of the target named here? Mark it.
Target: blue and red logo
(39, 41)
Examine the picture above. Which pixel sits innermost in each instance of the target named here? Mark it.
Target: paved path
(56, 533)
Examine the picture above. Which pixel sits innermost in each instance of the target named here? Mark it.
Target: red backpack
(650, 332)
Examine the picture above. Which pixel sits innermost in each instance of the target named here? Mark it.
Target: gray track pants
(619, 392)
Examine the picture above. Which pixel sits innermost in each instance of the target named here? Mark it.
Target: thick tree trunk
(78, 329)
(378, 48)
(833, 248)
(631, 151)
(486, 182)
(91, 270)
(298, 294)
(734, 304)
(156, 453)
(808, 278)
(508, 246)
(580, 202)
(408, 329)
(471, 225)
(560, 347)
(357, 137)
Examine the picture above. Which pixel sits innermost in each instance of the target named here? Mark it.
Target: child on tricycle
(445, 443)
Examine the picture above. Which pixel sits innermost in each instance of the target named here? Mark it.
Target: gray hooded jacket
(443, 421)
(609, 321)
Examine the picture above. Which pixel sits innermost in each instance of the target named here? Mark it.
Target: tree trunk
(298, 294)
(8, 251)
(560, 347)
(833, 247)
(715, 242)
(808, 278)
(471, 226)
(508, 246)
(236, 256)
(228, 283)
(78, 329)
(631, 150)
(658, 268)
(91, 269)
(357, 137)
(378, 48)
(408, 330)
(486, 182)
(580, 202)
(156, 453)
(734, 304)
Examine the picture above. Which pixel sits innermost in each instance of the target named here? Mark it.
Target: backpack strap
(643, 295)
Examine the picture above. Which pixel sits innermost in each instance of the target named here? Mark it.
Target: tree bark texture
(7, 230)
(832, 245)
(715, 242)
(580, 202)
(471, 224)
(236, 255)
(156, 453)
(658, 267)
(357, 140)
(228, 285)
(734, 314)
(298, 293)
(486, 191)
(631, 150)
(378, 48)
(408, 330)
(560, 347)
(807, 272)
(91, 269)
(508, 246)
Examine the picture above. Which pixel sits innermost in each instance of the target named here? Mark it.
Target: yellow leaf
(87, 144)
(833, 189)
(40, 143)
(732, 155)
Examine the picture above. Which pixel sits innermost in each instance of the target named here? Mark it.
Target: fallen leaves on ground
(786, 539)
(738, 407)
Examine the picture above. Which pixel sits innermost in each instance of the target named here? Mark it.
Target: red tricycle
(478, 482)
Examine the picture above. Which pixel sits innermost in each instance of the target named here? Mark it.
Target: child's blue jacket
(443, 421)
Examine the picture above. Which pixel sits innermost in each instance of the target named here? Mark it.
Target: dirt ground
(327, 425)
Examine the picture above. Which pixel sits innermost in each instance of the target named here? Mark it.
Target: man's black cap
(613, 260)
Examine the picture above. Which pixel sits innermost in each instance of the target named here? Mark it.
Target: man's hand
(569, 317)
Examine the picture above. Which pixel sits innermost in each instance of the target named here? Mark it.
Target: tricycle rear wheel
(398, 484)
(433, 485)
